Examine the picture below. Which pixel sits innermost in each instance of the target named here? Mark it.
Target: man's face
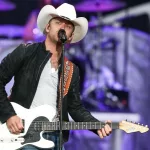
(55, 25)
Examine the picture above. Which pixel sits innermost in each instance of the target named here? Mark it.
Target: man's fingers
(15, 128)
(20, 125)
(108, 126)
(104, 132)
(14, 124)
(100, 134)
(107, 129)
(12, 129)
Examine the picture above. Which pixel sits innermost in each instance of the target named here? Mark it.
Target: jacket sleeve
(75, 107)
(8, 68)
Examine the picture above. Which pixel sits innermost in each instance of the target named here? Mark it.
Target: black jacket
(26, 63)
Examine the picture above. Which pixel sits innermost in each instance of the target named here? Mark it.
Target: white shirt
(46, 92)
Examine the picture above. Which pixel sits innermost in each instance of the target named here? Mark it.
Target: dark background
(24, 7)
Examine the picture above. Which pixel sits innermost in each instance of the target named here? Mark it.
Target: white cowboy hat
(67, 12)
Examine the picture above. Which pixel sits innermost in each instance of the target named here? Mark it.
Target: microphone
(62, 35)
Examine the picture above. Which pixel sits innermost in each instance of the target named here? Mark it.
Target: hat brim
(48, 12)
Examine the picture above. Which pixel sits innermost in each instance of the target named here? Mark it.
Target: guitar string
(74, 125)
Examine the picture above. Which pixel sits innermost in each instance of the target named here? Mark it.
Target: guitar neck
(49, 126)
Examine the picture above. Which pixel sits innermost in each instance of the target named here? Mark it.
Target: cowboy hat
(67, 12)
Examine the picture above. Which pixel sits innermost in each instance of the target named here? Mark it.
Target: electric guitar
(39, 120)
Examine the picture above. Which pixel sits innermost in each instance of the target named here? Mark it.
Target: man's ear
(70, 38)
(47, 28)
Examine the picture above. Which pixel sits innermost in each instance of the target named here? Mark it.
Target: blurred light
(36, 31)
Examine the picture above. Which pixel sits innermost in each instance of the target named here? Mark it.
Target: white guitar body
(41, 119)
(10, 141)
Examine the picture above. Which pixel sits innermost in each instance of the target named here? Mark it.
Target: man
(36, 71)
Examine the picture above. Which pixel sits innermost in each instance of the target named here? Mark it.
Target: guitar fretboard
(49, 126)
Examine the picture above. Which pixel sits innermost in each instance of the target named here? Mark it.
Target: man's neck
(54, 48)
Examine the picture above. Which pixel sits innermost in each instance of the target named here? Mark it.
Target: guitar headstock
(130, 127)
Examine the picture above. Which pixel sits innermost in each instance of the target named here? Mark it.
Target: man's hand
(14, 124)
(105, 131)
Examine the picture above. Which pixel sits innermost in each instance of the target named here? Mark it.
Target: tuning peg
(146, 126)
(138, 123)
(142, 124)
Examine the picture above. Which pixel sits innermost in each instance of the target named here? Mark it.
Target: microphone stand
(63, 39)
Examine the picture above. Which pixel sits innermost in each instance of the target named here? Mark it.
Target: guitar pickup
(23, 121)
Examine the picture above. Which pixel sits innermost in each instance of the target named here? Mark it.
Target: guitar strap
(68, 72)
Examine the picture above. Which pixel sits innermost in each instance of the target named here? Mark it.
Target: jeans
(53, 136)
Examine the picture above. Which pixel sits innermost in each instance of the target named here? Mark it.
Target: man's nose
(63, 25)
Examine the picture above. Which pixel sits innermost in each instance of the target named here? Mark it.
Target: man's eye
(57, 22)
(69, 27)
